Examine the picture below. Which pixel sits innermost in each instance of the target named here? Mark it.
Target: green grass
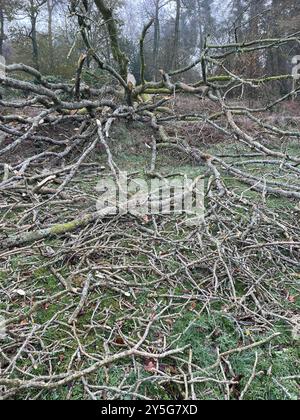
(207, 333)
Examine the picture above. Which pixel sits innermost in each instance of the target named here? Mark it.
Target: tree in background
(237, 18)
(42, 32)
(286, 15)
(8, 9)
(51, 5)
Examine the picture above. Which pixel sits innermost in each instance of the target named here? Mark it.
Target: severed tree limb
(51, 232)
(80, 65)
(82, 302)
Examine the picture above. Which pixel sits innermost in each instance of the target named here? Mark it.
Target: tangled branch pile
(133, 290)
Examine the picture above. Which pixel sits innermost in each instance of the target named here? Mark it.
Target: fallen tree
(53, 110)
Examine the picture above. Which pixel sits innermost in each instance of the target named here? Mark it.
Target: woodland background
(40, 33)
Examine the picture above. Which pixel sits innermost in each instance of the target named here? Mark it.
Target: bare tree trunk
(35, 48)
(113, 31)
(200, 18)
(156, 42)
(50, 7)
(2, 35)
(175, 57)
(238, 19)
(33, 35)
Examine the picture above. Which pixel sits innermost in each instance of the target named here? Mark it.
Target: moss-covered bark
(51, 232)
(113, 31)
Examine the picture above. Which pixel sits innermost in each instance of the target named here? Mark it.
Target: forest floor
(154, 279)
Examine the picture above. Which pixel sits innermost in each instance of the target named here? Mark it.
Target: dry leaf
(119, 340)
(150, 366)
(193, 306)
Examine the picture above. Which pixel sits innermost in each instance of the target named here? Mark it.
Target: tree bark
(113, 31)
(156, 41)
(175, 57)
(2, 34)
(50, 7)
(33, 35)
(52, 232)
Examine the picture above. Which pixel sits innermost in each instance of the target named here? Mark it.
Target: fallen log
(51, 232)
